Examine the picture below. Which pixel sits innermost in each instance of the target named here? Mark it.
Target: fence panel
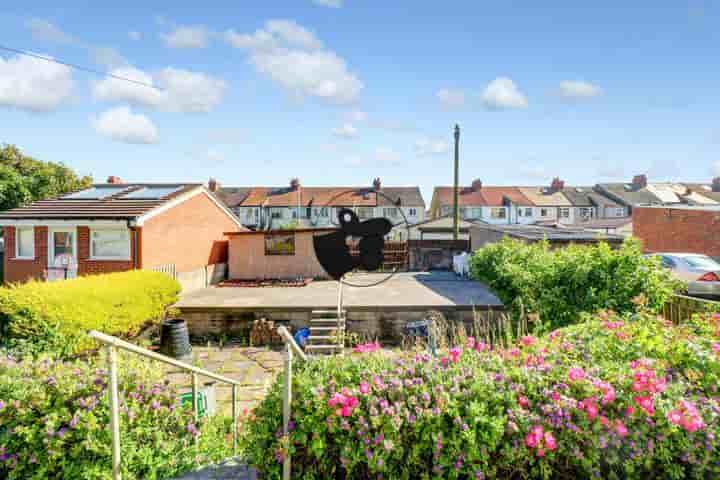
(681, 308)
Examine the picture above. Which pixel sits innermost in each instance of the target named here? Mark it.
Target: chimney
(639, 181)
(476, 185)
(376, 183)
(716, 184)
(114, 180)
(294, 183)
(557, 185)
(213, 185)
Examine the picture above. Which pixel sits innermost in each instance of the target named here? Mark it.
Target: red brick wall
(677, 230)
(20, 270)
(190, 235)
(86, 266)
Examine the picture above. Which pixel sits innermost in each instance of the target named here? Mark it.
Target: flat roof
(537, 232)
(701, 208)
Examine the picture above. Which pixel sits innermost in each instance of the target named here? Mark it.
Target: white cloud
(450, 98)
(179, 90)
(135, 35)
(578, 89)
(33, 84)
(329, 3)
(294, 58)
(121, 125)
(195, 36)
(356, 116)
(502, 93)
(428, 147)
(43, 30)
(346, 131)
(108, 58)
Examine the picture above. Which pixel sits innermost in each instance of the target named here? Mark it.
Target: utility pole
(456, 208)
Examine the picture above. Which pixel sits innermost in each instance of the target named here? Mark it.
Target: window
(564, 212)
(586, 213)
(544, 212)
(390, 212)
(308, 212)
(110, 244)
(498, 212)
(365, 212)
(528, 212)
(275, 214)
(412, 212)
(280, 244)
(25, 242)
(324, 212)
(701, 262)
(620, 212)
(463, 212)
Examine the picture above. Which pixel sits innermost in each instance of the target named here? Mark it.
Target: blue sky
(341, 91)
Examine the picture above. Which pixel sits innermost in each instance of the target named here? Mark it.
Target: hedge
(53, 317)
(615, 397)
(561, 284)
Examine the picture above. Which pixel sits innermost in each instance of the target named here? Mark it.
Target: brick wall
(21, 270)
(190, 235)
(86, 266)
(677, 230)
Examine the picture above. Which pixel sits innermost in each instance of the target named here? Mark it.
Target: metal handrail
(290, 347)
(113, 343)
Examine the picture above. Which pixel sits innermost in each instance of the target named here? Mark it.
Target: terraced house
(496, 205)
(269, 208)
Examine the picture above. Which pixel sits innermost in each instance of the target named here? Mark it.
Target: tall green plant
(561, 284)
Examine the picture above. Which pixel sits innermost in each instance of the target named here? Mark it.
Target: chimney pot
(640, 181)
(114, 180)
(476, 185)
(213, 185)
(716, 184)
(557, 185)
(294, 183)
(376, 183)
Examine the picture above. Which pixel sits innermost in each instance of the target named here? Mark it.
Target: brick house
(115, 226)
(678, 229)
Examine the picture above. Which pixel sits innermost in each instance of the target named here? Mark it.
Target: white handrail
(290, 341)
(113, 343)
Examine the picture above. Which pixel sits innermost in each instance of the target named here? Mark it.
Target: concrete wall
(678, 230)
(247, 259)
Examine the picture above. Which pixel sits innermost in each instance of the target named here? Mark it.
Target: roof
(281, 231)
(606, 223)
(110, 206)
(698, 208)
(484, 196)
(442, 224)
(579, 196)
(629, 194)
(544, 197)
(704, 189)
(668, 192)
(537, 232)
(321, 196)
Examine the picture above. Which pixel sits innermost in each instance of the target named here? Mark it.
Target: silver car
(701, 272)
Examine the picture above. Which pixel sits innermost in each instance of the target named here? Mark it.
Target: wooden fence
(681, 308)
(395, 255)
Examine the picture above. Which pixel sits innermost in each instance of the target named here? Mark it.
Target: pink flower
(575, 374)
(444, 361)
(621, 429)
(367, 347)
(455, 354)
(523, 401)
(346, 403)
(555, 396)
(550, 442)
(686, 416)
(646, 404)
(470, 343)
(364, 388)
(541, 440)
(528, 340)
(716, 347)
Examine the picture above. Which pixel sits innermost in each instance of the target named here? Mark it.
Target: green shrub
(613, 397)
(38, 317)
(561, 284)
(54, 420)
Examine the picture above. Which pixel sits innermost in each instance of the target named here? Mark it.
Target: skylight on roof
(96, 193)
(151, 193)
(579, 190)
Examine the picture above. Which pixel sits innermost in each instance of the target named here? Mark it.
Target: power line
(78, 67)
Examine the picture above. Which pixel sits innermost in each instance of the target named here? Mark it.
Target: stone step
(320, 339)
(325, 313)
(320, 349)
(326, 320)
(324, 328)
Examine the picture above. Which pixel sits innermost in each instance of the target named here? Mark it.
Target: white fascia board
(39, 222)
(200, 190)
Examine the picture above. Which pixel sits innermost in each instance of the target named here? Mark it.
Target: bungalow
(271, 208)
(177, 228)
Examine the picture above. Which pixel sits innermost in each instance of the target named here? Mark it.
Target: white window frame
(51, 242)
(121, 257)
(412, 212)
(563, 212)
(495, 213)
(544, 212)
(17, 244)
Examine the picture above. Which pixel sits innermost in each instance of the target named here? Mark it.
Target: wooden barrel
(174, 339)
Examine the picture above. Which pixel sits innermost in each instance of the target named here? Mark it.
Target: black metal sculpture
(333, 252)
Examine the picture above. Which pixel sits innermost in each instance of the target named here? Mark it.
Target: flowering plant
(581, 402)
(54, 420)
